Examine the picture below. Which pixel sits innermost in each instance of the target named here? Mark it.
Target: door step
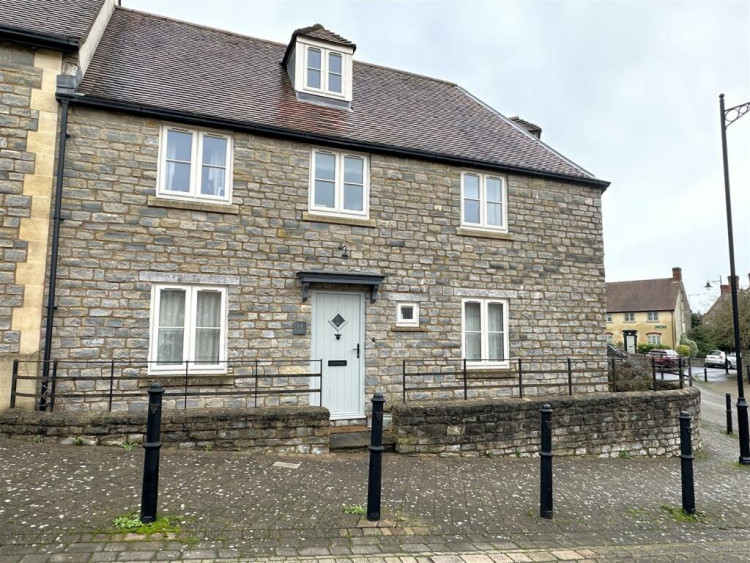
(357, 438)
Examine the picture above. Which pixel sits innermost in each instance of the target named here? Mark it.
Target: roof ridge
(448, 82)
(649, 279)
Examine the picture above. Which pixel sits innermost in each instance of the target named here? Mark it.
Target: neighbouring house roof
(68, 20)
(532, 128)
(145, 61)
(643, 295)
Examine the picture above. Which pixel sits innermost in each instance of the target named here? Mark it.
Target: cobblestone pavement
(58, 503)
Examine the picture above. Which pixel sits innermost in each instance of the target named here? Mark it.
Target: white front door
(338, 339)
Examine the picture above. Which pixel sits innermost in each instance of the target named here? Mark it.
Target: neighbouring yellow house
(647, 312)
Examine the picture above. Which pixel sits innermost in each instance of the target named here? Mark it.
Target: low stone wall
(299, 430)
(603, 424)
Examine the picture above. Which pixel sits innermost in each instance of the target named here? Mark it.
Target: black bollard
(545, 455)
(729, 413)
(686, 464)
(705, 374)
(151, 463)
(376, 459)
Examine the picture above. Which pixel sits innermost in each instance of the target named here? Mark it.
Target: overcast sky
(626, 89)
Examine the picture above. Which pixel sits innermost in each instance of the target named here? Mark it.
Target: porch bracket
(373, 280)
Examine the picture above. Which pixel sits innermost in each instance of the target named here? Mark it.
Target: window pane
(494, 189)
(471, 211)
(334, 82)
(494, 214)
(209, 309)
(313, 58)
(212, 181)
(473, 346)
(353, 200)
(313, 78)
(324, 194)
(170, 346)
(179, 145)
(407, 313)
(325, 165)
(471, 186)
(177, 177)
(495, 317)
(496, 351)
(207, 345)
(214, 151)
(334, 63)
(354, 170)
(172, 308)
(473, 317)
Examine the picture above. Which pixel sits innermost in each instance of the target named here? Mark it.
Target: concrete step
(357, 438)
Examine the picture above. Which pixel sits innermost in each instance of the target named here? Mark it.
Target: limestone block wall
(28, 119)
(603, 424)
(301, 430)
(549, 267)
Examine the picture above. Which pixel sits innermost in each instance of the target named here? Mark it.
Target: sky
(626, 89)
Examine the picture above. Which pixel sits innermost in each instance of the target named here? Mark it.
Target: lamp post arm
(734, 113)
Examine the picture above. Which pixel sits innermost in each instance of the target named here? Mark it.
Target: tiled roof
(70, 19)
(532, 128)
(642, 295)
(157, 62)
(317, 31)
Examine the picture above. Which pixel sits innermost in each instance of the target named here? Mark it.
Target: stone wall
(299, 430)
(603, 424)
(549, 267)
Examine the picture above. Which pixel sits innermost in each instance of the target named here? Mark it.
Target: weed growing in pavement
(131, 523)
(78, 441)
(208, 447)
(740, 465)
(678, 515)
(354, 509)
(128, 445)
(38, 439)
(518, 454)
(625, 454)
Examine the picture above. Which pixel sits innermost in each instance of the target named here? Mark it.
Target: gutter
(45, 40)
(56, 220)
(289, 134)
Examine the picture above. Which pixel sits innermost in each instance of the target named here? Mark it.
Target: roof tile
(63, 18)
(642, 295)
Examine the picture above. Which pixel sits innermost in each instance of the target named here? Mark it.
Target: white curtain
(179, 156)
(171, 338)
(208, 327)
(214, 166)
(473, 331)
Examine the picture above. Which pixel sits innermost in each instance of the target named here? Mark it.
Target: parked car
(663, 358)
(732, 360)
(715, 358)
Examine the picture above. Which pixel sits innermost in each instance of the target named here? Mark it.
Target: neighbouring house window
(483, 202)
(609, 317)
(629, 317)
(339, 184)
(195, 165)
(188, 323)
(653, 316)
(324, 71)
(653, 339)
(485, 341)
(407, 314)
(610, 338)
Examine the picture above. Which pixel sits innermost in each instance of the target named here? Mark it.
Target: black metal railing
(638, 372)
(469, 378)
(116, 380)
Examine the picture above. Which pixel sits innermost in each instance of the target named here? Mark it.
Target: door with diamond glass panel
(338, 340)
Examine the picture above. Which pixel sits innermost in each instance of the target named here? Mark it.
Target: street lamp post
(729, 116)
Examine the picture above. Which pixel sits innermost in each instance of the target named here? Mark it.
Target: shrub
(684, 350)
(692, 344)
(646, 348)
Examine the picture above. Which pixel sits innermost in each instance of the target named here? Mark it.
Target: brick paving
(58, 503)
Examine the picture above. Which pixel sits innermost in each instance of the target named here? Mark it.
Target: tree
(720, 327)
(700, 335)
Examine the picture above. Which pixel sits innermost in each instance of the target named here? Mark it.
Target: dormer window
(319, 64)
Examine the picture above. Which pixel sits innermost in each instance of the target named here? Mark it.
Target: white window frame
(656, 337)
(629, 320)
(400, 321)
(188, 352)
(653, 316)
(196, 166)
(324, 53)
(483, 303)
(609, 317)
(482, 225)
(338, 209)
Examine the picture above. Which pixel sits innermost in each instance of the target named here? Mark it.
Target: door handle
(357, 349)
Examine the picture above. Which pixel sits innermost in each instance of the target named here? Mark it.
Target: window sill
(505, 367)
(174, 380)
(409, 329)
(468, 232)
(227, 208)
(353, 221)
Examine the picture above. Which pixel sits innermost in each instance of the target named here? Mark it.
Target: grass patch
(357, 509)
(636, 511)
(740, 465)
(131, 523)
(678, 515)
(625, 454)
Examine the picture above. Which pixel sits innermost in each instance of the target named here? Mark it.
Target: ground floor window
(653, 339)
(188, 323)
(485, 341)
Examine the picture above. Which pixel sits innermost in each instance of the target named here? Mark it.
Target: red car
(663, 358)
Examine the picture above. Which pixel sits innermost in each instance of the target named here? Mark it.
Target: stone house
(181, 200)
(647, 312)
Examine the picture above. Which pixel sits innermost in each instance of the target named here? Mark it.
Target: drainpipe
(56, 220)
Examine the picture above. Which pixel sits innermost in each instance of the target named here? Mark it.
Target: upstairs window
(483, 202)
(339, 184)
(324, 70)
(485, 341)
(653, 316)
(195, 165)
(629, 317)
(609, 317)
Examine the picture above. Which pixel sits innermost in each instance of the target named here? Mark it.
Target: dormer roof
(317, 31)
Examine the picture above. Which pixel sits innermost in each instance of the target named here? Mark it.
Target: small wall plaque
(300, 328)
